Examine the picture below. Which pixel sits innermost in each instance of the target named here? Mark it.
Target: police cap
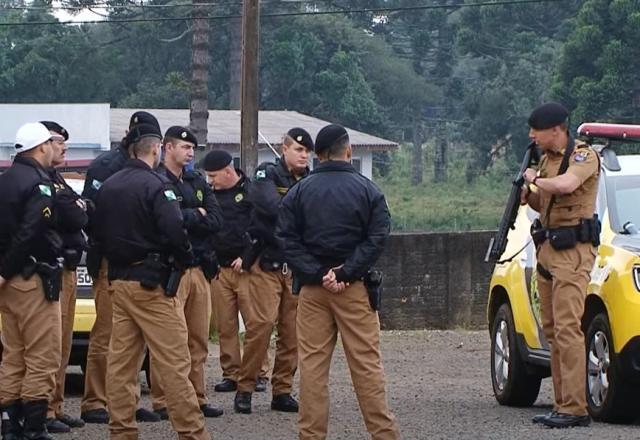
(139, 132)
(548, 115)
(301, 136)
(56, 128)
(329, 136)
(143, 117)
(182, 133)
(216, 160)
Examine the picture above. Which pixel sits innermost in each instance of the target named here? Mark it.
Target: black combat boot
(12, 421)
(35, 419)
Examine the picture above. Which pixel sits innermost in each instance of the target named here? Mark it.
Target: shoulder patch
(261, 174)
(199, 195)
(96, 184)
(45, 190)
(170, 195)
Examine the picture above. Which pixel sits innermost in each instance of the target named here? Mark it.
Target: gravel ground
(439, 388)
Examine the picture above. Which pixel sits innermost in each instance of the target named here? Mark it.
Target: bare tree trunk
(440, 157)
(235, 64)
(199, 99)
(417, 164)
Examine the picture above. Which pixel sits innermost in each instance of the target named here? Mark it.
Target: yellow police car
(520, 356)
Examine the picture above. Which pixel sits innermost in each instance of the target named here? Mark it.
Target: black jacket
(193, 192)
(101, 168)
(335, 216)
(26, 217)
(272, 182)
(69, 219)
(137, 213)
(232, 241)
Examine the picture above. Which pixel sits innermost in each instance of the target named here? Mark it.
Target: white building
(95, 128)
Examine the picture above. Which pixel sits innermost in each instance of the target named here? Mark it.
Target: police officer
(566, 203)
(202, 219)
(93, 406)
(270, 282)
(30, 275)
(140, 230)
(70, 217)
(333, 226)
(230, 289)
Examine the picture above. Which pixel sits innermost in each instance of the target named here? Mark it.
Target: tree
(597, 75)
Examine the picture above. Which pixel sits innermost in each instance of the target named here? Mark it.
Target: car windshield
(626, 209)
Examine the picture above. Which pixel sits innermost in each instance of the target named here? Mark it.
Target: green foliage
(597, 74)
(453, 205)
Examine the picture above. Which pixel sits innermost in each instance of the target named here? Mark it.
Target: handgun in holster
(209, 265)
(252, 252)
(51, 276)
(296, 284)
(154, 272)
(373, 283)
(173, 282)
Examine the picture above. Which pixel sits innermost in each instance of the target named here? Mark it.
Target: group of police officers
(289, 249)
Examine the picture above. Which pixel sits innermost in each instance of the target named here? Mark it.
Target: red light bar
(619, 132)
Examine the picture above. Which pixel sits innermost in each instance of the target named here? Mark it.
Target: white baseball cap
(30, 135)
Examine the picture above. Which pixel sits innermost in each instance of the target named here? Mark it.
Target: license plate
(84, 279)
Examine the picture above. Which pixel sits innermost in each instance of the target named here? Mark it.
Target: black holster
(209, 265)
(589, 230)
(173, 282)
(296, 284)
(251, 253)
(154, 272)
(51, 276)
(373, 283)
(538, 232)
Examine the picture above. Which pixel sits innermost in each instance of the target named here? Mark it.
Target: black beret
(548, 115)
(301, 136)
(216, 160)
(142, 117)
(182, 133)
(139, 132)
(329, 135)
(56, 128)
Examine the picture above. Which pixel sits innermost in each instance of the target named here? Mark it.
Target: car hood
(628, 242)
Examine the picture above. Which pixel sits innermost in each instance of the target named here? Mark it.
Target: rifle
(498, 243)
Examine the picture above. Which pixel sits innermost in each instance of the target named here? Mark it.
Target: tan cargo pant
(195, 298)
(68, 312)
(230, 295)
(562, 306)
(148, 316)
(321, 315)
(273, 304)
(95, 388)
(31, 341)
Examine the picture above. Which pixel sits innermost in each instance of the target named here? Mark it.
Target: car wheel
(512, 384)
(610, 397)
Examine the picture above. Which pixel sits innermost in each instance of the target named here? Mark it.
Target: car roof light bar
(620, 132)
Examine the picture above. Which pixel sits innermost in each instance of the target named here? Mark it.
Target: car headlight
(636, 277)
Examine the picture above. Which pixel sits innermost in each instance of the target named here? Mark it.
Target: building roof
(224, 126)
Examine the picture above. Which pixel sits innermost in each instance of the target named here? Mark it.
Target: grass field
(455, 205)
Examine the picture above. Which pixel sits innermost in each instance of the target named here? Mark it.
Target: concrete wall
(435, 280)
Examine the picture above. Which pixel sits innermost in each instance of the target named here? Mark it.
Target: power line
(133, 4)
(283, 14)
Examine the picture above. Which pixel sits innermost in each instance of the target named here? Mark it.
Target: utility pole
(249, 102)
